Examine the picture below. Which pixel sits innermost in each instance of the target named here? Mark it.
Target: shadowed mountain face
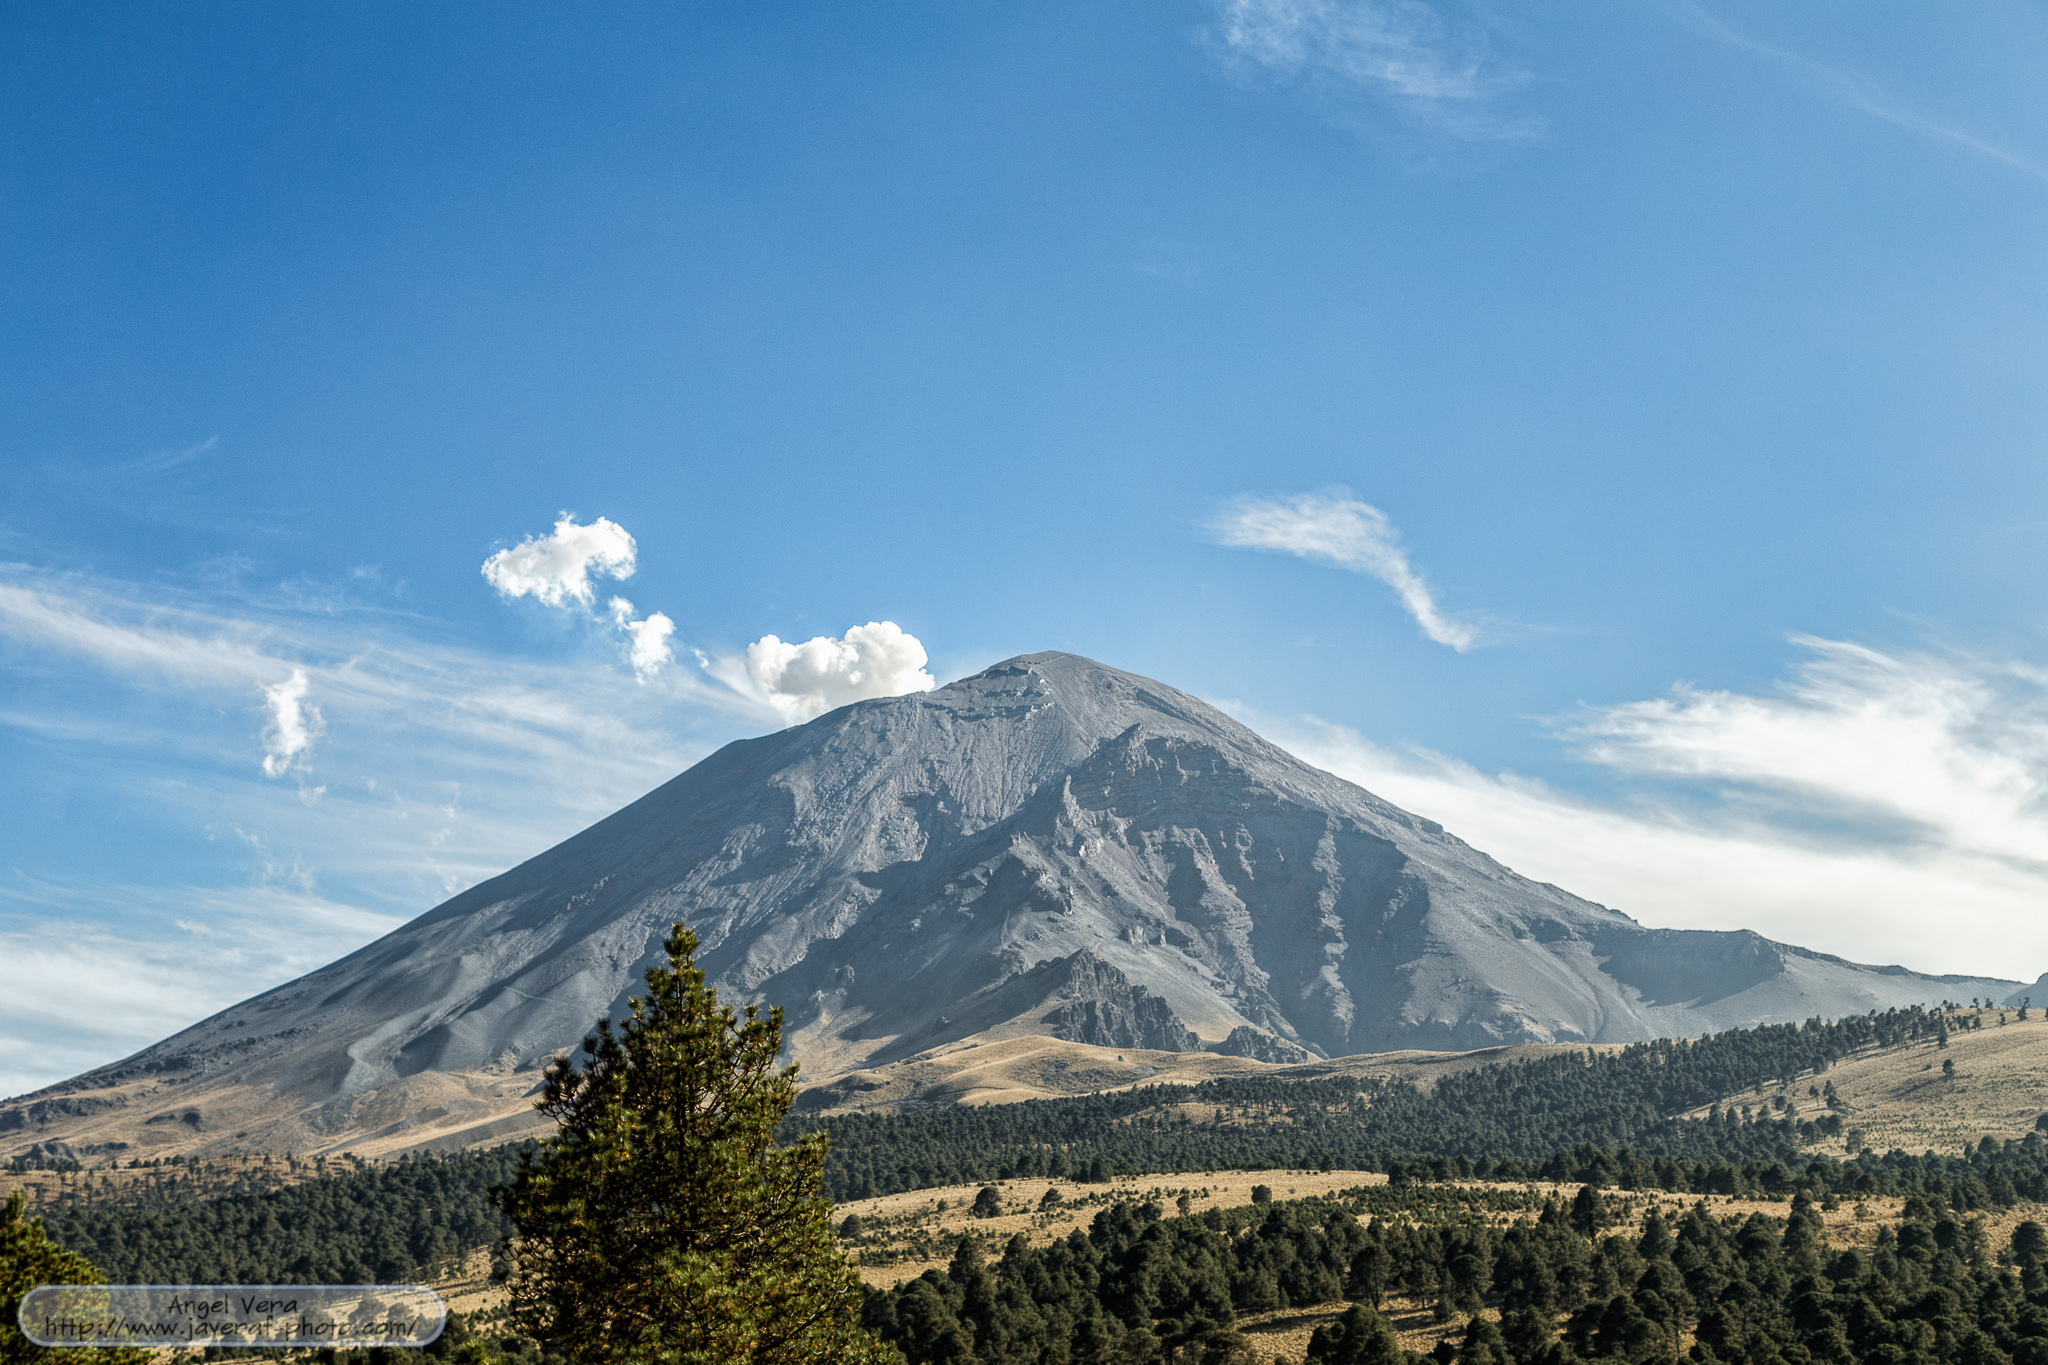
(1052, 846)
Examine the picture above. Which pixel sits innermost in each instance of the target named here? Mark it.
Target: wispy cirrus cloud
(161, 461)
(1857, 91)
(92, 990)
(1403, 54)
(443, 766)
(1339, 530)
(1887, 807)
(431, 725)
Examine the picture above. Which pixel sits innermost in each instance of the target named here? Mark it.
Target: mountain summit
(1052, 846)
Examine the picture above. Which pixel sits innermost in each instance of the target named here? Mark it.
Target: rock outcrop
(1103, 1008)
(1261, 1046)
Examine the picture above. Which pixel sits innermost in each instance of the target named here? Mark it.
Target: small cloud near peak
(879, 659)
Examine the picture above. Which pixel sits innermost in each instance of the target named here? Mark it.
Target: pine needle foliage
(28, 1258)
(661, 1225)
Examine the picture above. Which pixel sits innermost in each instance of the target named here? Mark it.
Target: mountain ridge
(905, 873)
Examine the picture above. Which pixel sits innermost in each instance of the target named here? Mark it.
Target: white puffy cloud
(557, 568)
(804, 680)
(1883, 807)
(647, 639)
(1348, 534)
(294, 723)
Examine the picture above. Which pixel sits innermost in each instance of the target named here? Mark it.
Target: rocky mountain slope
(1050, 847)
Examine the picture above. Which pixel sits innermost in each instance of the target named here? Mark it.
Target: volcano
(1051, 848)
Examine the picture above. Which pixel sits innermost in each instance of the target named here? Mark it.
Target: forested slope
(1578, 1117)
(1567, 1285)
(1519, 1112)
(381, 1224)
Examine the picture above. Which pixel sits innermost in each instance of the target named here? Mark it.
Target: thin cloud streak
(370, 661)
(1345, 533)
(211, 650)
(1857, 91)
(88, 991)
(164, 460)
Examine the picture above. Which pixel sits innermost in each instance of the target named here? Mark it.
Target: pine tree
(29, 1258)
(1360, 1337)
(1587, 1212)
(661, 1225)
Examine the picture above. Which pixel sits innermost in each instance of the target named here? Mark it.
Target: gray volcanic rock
(1104, 1009)
(1261, 1046)
(1050, 846)
(50, 1156)
(46, 1107)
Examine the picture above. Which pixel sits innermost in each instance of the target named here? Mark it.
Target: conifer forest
(1603, 1275)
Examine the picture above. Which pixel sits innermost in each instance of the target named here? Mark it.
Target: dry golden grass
(452, 1110)
(1036, 1067)
(469, 1289)
(1899, 1098)
(148, 1119)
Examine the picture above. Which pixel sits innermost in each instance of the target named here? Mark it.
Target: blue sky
(1614, 430)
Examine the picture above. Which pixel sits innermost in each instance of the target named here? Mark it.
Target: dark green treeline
(1524, 1112)
(377, 1225)
(1568, 1285)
